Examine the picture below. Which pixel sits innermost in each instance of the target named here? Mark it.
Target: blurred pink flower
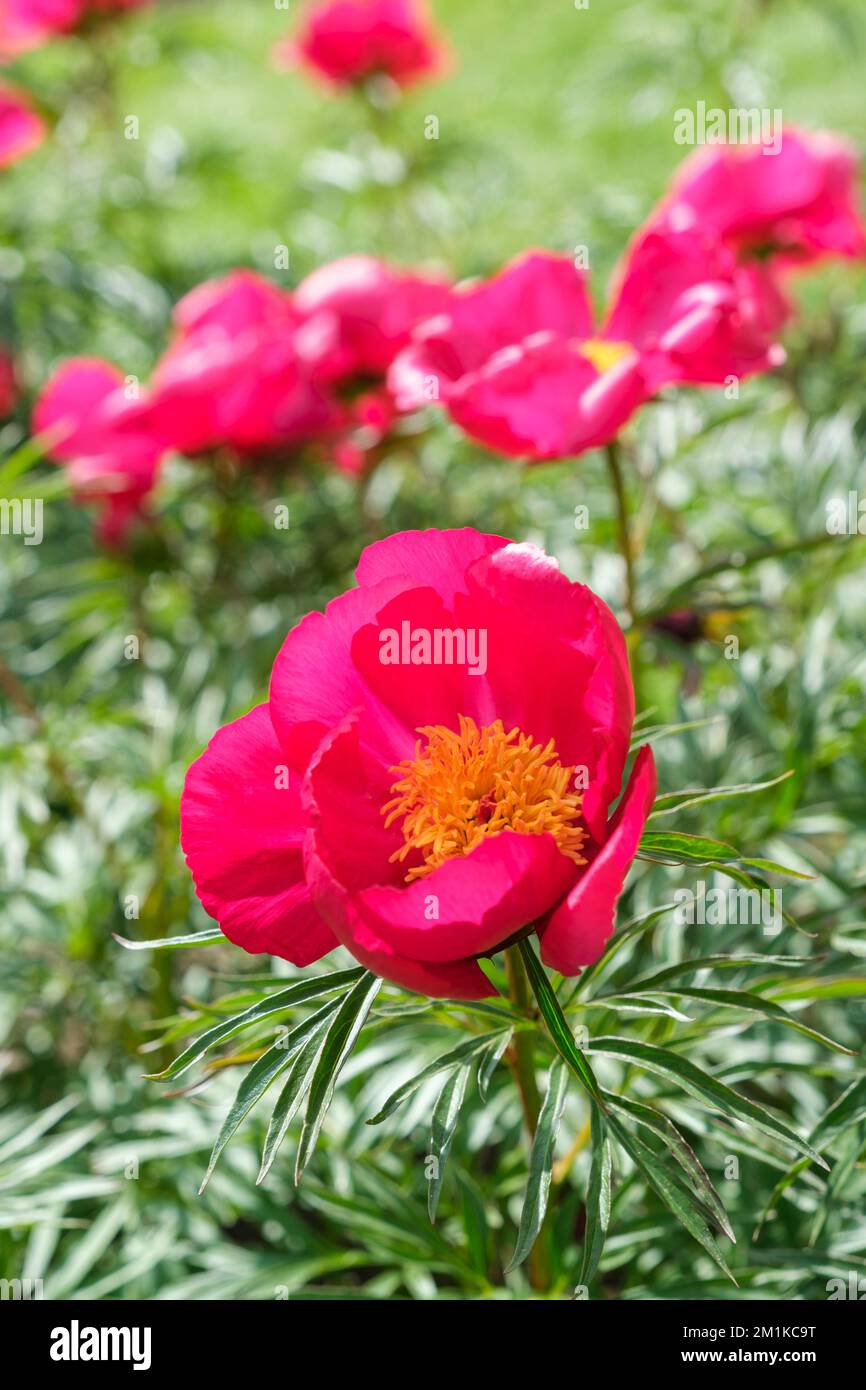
(348, 41)
(26, 24)
(240, 372)
(365, 310)
(21, 130)
(785, 209)
(521, 368)
(8, 383)
(85, 411)
(374, 308)
(366, 790)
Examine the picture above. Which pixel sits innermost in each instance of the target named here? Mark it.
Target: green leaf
(489, 1061)
(342, 1034)
(690, 967)
(474, 1222)
(541, 1164)
(454, 1058)
(689, 849)
(848, 1110)
(299, 993)
(446, 1112)
(663, 1126)
(696, 796)
(261, 1074)
(295, 1087)
(674, 1195)
(557, 1024)
(754, 1003)
(669, 1064)
(598, 1199)
(173, 943)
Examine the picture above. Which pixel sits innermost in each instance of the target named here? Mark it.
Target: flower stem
(624, 532)
(521, 1056)
(522, 1049)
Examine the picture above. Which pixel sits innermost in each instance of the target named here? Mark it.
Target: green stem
(623, 530)
(522, 1061)
(522, 1049)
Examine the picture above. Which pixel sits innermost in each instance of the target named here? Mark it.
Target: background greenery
(555, 130)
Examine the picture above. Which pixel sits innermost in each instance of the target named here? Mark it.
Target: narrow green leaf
(718, 962)
(663, 1126)
(454, 1058)
(557, 1024)
(295, 1087)
(446, 1112)
(299, 993)
(342, 1035)
(261, 1074)
(695, 796)
(474, 1222)
(173, 943)
(674, 1195)
(667, 1063)
(754, 1003)
(541, 1164)
(489, 1061)
(598, 1199)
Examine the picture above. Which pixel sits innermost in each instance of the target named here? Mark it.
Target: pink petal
(439, 559)
(242, 835)
(576, 931)
(482, 899)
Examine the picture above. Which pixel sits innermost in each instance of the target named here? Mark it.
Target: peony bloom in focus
(240, 372)
(432, 774)
(522, 369)
(785, 209)
(348, 41)
(27, 24)
(21, 130)
(85, 410)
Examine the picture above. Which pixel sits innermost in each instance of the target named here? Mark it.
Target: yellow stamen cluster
(604, 354)
(468, 783)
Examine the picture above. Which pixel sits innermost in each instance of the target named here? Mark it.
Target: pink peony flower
(432, 773)
(85, 410)
(521, 368)
(373, 308)
(8, 383)
(364, 311)
(349, 41)
(240, 373)
(21, 130)
(787, 209)
(27, 24)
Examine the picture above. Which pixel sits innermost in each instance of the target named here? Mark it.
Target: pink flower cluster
(699, 299)
(518, 361)
(28, 24)
(251, 369)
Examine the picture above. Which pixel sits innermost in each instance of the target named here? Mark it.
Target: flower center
(603, 354)
(465, 784)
